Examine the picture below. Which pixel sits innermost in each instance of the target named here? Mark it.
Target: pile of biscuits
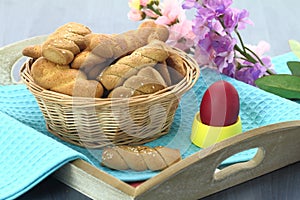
(77, 62)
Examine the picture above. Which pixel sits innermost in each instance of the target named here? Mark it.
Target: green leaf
(295, 47)
(284, 85)
(294, 66)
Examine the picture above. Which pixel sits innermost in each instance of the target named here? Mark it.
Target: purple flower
(223, 47)
(200, 27)
(250, 73)
(222, 44)
(205, 44)
(231, 19)
(220, 50)
(223, 62)
(205, 22)
(230, 70)
(217, 6)
(212, 36)
(188, 4)
(211, 10)
(235, 18)
(267, 62)
(217, 27)
(243, 19)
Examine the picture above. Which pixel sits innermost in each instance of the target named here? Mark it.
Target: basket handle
(278, 146)
(11, 55)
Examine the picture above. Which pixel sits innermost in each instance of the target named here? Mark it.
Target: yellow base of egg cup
(204, 136)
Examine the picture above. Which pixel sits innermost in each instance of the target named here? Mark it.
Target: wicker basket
(99, 122)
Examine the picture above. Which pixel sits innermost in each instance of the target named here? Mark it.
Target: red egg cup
(204, 135)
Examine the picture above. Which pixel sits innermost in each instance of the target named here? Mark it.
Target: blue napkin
(27, 157)
(29, 150)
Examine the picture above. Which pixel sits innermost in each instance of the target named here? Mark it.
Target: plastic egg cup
(204, 135)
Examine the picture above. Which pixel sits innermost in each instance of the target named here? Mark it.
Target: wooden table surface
(275, 21)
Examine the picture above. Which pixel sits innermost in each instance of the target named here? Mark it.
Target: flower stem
(241, 58)
(245, 49)
(256, 56)
(270, 72)
(241, 41)
(259, 60)
(245, 54)
(249, 57)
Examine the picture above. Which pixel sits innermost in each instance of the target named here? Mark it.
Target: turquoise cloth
(27, 157)
(29, 153)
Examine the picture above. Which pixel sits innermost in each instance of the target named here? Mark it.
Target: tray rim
(193, 160)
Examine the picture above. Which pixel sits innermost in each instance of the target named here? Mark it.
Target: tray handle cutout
(231, 169)
(16, 69)
(10, 59)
